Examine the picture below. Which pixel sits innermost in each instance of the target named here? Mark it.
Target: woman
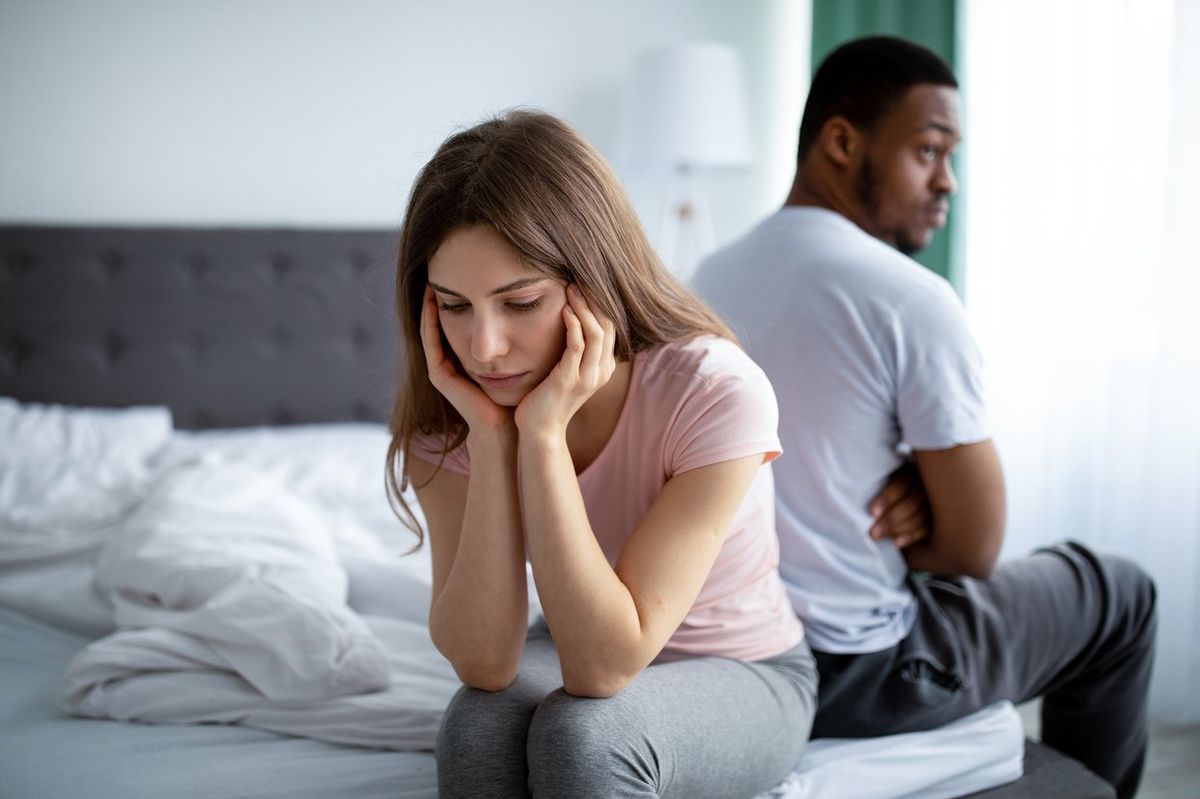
(570, 403)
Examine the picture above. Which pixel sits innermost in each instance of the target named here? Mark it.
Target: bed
(191, 493)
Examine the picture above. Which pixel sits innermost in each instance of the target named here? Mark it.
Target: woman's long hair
(552, 196)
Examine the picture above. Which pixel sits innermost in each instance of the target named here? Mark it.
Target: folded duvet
(231, 606)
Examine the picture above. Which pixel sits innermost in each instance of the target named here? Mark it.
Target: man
(876, 374)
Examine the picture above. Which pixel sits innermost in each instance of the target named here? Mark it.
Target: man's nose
(489, 340)
(944, 180)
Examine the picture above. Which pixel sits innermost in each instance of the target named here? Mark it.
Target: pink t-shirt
(693, 404)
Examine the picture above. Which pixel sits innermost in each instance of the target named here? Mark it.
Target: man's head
(881, 120)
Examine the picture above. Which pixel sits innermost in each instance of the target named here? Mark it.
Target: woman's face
(502, 317)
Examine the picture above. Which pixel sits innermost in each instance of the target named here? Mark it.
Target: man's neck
(822, 194)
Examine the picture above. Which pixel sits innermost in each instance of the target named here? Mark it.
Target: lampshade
(689, 107)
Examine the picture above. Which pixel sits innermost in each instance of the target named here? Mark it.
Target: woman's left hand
(587, 363)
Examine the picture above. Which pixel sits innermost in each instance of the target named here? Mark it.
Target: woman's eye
(452, 308)
(523, 307)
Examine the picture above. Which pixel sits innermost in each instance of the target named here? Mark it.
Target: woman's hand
(586, 364)
(475, 407)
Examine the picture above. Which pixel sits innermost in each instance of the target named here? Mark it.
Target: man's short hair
(863, 79)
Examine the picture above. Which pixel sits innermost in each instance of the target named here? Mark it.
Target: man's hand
(901, 510)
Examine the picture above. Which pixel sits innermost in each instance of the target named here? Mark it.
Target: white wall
(312, 112)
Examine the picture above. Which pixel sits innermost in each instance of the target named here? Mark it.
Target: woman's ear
(840, 141)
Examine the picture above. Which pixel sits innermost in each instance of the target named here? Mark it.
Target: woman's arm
(479, 609)
(610, 624)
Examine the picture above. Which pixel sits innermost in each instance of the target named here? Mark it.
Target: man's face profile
(904, 179)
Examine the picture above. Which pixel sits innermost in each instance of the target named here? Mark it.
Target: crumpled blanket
(231, 606)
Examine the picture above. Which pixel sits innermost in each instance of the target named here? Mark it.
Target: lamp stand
(686, 225)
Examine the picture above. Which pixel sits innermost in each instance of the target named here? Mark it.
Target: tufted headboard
(227, 327)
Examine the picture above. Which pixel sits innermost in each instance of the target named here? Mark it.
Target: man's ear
(840, 141)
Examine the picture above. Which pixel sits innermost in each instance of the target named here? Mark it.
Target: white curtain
(1082, 227)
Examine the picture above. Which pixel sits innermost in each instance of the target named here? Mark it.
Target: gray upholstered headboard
(227, 327)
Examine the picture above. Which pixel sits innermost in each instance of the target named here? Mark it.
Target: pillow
(339, 467)
(66, 471)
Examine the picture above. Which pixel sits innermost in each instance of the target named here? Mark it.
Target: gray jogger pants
(1064, 624)
(692, 728)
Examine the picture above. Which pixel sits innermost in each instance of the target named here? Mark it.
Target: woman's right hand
(475, 407)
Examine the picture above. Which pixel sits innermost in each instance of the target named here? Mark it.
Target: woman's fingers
(431, 336)
(430, 341)
(599, 337)
(576, 339)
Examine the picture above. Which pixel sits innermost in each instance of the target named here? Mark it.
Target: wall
(318, 113)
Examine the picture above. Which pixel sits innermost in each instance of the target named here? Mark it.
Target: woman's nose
(488, 339)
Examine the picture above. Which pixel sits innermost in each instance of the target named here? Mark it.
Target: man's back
(869, 355)
(867, 351)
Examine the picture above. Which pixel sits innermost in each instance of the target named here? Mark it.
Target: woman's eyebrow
(513, 286)
(516, 284)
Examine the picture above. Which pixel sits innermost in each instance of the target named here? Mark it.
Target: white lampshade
(689, 108)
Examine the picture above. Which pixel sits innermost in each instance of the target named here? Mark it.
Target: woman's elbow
(486, 672)
(594, 683)
(490, 677)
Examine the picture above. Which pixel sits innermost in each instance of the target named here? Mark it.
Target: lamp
(688, 112)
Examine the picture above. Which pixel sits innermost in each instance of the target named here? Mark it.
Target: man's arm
(965, 485)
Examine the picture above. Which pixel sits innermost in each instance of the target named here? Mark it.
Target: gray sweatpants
(693, 728)
(1065, 624)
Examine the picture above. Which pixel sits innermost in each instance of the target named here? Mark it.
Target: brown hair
(552, 196)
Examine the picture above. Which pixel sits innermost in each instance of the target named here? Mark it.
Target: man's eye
(523, 307)
(452, 308)
(929, 151)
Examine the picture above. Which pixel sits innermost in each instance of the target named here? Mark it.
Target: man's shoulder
(809, 248)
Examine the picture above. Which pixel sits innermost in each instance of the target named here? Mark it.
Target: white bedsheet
(256, 578)
(976, 752)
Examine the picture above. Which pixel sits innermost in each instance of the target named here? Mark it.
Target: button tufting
(197, 265)
(113, 345)
(359, 262)
(16, 352)
(203, 419)
(280, 265)
(282, 416)
(362, 413)
(111, 263)
(17, 264)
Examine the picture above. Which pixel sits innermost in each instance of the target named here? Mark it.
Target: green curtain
(930, 23)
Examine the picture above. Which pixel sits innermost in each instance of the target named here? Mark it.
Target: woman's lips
(500, 380)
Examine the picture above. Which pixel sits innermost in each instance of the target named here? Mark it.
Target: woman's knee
(477, 721)
(583, 745)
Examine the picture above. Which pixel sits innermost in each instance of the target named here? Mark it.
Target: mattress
(158, 587)
(46, 753)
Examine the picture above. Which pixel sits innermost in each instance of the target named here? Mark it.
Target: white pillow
(66, 471)
(340, 467)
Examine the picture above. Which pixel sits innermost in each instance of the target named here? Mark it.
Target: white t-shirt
(868, 352)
